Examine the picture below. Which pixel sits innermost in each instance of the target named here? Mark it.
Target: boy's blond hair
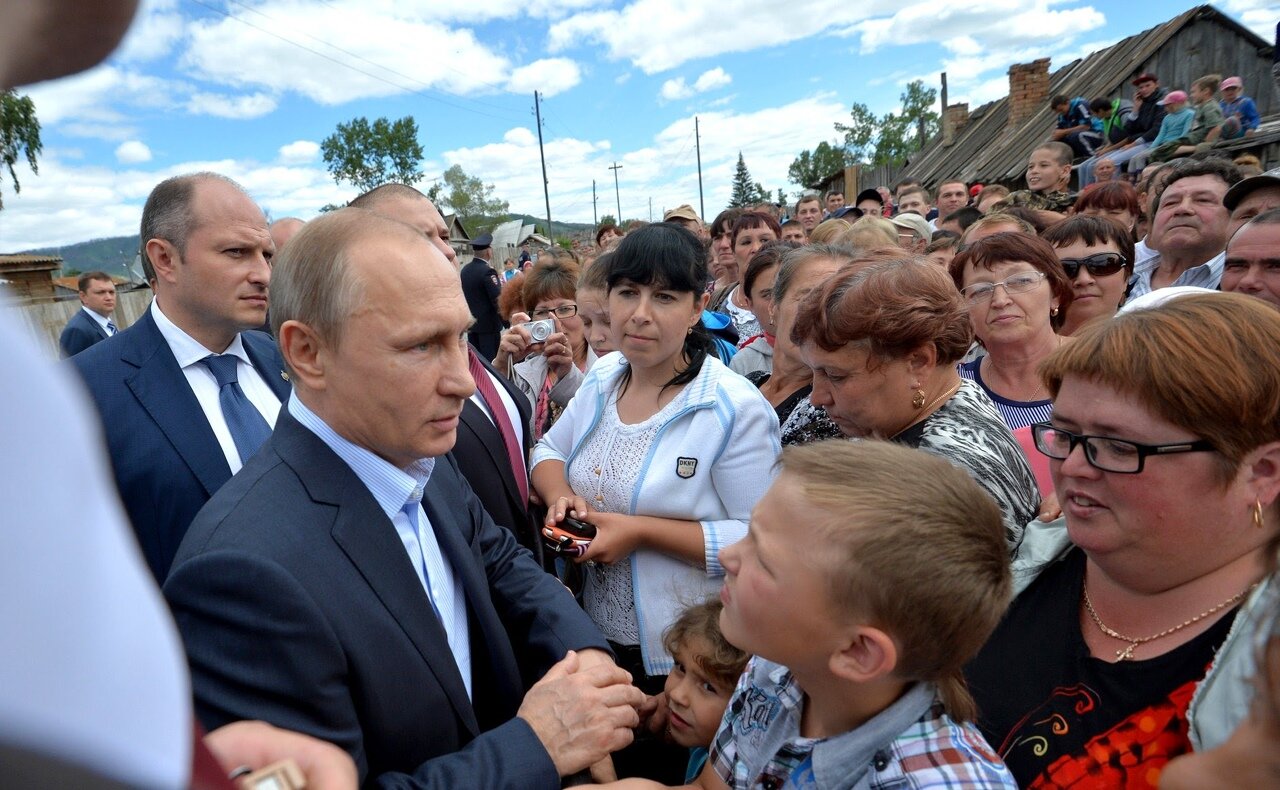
(913, 546)
(724, 664)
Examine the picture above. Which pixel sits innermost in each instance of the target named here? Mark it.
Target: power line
(356, 69)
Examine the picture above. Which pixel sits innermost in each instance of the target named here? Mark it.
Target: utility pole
(595, 218)
(697, 139)
(546, 193)
(616, 194)
(651, 208)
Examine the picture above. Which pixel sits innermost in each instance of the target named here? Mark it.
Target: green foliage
(810, 169)
(468, 196)
(19, 135)
(895, 136)
(368, 155)
(746, 192)
(782, 197)
(607, 219)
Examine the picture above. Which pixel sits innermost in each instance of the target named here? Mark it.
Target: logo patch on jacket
(685, 467)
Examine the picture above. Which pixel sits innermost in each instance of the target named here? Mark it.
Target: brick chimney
(953, 120)
(1028, 90)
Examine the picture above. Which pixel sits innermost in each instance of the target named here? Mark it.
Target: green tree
(782, 197)
(810, 169)
(895, 136)
(368, 155)
(746, 192)
(469, 197)
(607, 219)
(19, 135)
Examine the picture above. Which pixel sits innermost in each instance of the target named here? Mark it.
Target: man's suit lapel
(162, 389)
(370, 542)
(488, 436)
(262, 353)
(102, 332)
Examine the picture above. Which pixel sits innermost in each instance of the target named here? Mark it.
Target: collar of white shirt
(186, 349)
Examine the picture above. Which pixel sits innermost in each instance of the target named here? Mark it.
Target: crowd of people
(965, 487)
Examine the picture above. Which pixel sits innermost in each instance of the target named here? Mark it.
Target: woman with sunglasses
(1097, 255)
(547, 372)
(1017, 293)
(1132, 633)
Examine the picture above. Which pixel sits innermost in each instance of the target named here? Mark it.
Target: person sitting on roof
(1077, 126)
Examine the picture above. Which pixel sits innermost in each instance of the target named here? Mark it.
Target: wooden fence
(44, 321)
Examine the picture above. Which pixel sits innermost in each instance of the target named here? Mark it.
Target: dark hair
(1109, 195)
(1027, 215)
(1100, 104)
(906, 182)
(1091, 230)
(768, 255)
(1212, 166)
(749, 220)
(723, 223)
(1001, 247)
(964, 217)
(950, 241)
(607, 227)
(667, 255)
(1059, 100)
(892, 307)
(832, 193)
(82, 285)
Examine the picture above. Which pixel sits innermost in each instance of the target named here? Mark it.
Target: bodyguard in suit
(347, 583)
(92, 322)
(493, 435)
(186, 395)
(482, 285)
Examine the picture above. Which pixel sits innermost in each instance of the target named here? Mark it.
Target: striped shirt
(1015, 413)
(1206, 275)
(910, 744)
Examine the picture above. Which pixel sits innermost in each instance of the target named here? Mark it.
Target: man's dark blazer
(481, 286)
(482, 458)
(298, 605)
(166, 460)
(80, 333)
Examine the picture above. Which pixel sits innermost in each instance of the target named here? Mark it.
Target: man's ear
(164, 258)
(869, 654)
(305, 354)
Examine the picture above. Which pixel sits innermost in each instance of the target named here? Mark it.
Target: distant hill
(113, 256)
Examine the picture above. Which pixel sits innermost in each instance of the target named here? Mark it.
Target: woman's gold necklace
(1126, 654)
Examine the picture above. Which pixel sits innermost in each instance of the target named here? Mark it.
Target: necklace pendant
(1127, 653)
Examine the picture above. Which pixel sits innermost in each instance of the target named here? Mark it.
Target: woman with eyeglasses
(1017, 292)
(549, 371)
(1131, 637)
(1096, 254)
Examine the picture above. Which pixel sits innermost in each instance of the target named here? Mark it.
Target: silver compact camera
(539, 331)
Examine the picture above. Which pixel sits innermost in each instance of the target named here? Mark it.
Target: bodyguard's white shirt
(189, 351)
(101, 319)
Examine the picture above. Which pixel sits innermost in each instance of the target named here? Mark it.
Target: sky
(249, 89)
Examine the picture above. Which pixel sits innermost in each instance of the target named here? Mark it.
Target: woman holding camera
(664, 450)
(545, 352)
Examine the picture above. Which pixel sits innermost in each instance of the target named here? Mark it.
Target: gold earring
(1257, 513)
(917, 402)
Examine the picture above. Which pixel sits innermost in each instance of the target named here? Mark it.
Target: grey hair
(168, 213)
(796, 259)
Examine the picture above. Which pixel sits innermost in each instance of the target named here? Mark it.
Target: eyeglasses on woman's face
(1015, 284)
(1100, 264)
(563, 311)
(1108, 453)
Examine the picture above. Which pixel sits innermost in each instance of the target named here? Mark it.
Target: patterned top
(910, 744)
(1056, 200)
(968, 432)
(1015, 413)
(808, 423)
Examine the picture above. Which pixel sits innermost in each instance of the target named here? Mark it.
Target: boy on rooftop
(870, 574)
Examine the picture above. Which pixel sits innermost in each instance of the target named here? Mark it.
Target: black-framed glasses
(563, 311)
(1014, 284)
(1107, 453)
(1100, 264)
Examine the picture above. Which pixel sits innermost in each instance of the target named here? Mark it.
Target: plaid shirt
(910, 744)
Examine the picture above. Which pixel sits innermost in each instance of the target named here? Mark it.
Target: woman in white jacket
(664, 450)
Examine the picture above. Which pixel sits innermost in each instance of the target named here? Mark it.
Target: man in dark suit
(92, 322)
(481, 285)
(176, 429)
(348, 584)
(495, 467)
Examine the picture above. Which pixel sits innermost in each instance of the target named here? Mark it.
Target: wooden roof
(1199, 41)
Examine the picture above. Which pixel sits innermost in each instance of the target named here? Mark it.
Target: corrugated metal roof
(986, 151)
(23, 259)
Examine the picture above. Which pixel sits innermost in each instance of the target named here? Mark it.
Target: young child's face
(696, 702)
(776, 603)
(593, 309)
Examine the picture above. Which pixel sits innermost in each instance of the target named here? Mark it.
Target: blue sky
(250, 87)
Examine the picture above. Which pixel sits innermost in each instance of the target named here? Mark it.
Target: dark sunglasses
(1099, 264)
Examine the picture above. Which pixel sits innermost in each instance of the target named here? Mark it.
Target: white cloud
(549, 76)
(984, 23)
(98, 95)
(676, 89)
(1257, 15)
(156, 29)
(299, 152)
(133, 152)
(249, 106)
